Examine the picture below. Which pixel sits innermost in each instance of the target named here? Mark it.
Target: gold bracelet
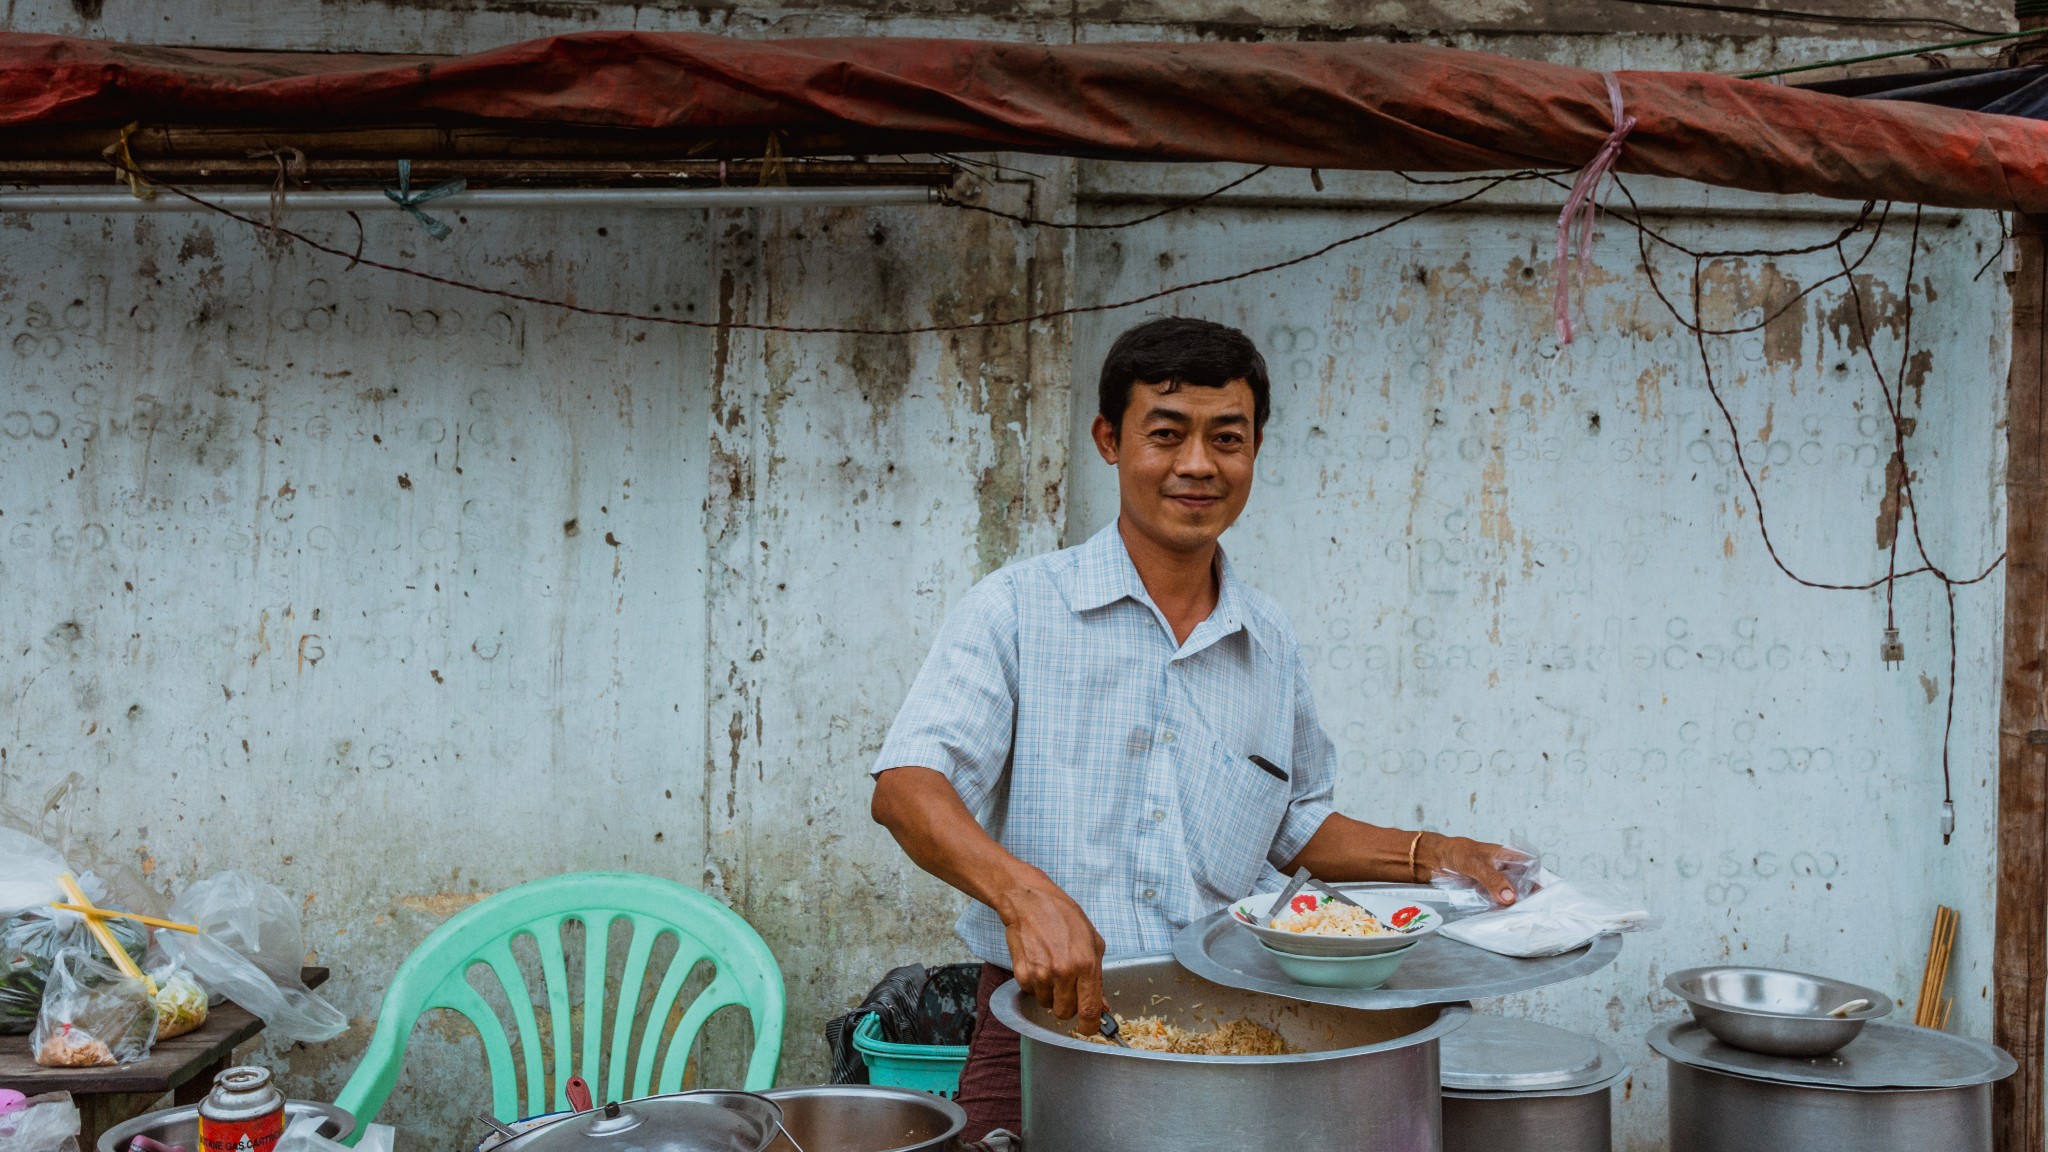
(1412, 845)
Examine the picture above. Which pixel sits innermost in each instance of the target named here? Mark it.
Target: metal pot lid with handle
(703, 1121)
(1503, 1055)
(1887, 1056)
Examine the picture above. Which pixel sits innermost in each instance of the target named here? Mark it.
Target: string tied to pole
(1582, 210)
(410, 201)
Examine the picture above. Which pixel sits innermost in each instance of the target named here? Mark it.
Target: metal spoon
(1856, 1005)
(1280, 902)
(504, 1131)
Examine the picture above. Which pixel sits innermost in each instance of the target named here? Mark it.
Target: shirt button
(1151, 894)
(1158, 814)
(1167, 735)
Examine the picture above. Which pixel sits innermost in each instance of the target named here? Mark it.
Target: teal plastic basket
(933, 1068)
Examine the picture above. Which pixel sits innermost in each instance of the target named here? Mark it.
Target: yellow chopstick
(104, 913)
(105, 935)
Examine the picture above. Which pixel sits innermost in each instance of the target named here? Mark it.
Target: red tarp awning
(1366, 106)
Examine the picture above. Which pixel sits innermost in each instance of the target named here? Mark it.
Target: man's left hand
(1474, 859)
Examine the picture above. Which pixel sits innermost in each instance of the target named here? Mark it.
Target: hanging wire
(1898, 471)
(357, 258)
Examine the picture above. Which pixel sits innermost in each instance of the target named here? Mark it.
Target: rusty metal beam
(2020, 951)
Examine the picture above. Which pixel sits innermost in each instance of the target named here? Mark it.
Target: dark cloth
(992, 1084)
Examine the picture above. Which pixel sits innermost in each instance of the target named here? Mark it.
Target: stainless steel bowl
(866, 1118)
(1775, 1012)
(179, 1127)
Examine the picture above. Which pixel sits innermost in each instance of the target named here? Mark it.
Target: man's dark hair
(1178, 351)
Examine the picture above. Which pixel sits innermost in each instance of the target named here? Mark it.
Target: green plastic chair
(436, 976)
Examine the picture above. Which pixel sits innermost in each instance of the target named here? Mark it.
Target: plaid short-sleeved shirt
(1094, 747)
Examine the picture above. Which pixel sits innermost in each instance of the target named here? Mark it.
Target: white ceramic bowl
(1252, 912)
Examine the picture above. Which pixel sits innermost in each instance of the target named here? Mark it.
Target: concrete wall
(1529, 581)
(401, 595)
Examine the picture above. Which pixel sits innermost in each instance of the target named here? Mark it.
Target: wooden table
(183, 1066)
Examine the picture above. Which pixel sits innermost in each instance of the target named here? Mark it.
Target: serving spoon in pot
(1110, 1029)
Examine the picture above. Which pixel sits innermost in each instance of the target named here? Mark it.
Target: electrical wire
(1898, 470)
(1810, 17)
(1922, 50)
(356, 258)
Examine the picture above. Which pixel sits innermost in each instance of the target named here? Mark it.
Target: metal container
(1717, 1112)
(1365, 1081)
(1520, 1086)
(1896, 1089)
(702, 1121)
(243, 1113)
(1776, 1012)
(179, 1127)
(866, 1118)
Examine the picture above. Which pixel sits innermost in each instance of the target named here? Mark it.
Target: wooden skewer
(1948, 951)
(1934, 975)
(105, 935)
(1927, 968)
(1946, 1006)
(104, 913)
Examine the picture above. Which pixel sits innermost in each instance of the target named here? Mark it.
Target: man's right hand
(1054, 951)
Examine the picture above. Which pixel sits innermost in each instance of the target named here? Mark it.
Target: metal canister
(243, 1113)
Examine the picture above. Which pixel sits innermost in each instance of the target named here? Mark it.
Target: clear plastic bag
(1558, 916)
(1521, 864)
(93, 1014)
(303, 1135)
(46, 1123)
(31, 940)
(250, 948)
(35, 849)
(180, 1002)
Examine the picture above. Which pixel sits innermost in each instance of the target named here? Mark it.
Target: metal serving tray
(1438, 971)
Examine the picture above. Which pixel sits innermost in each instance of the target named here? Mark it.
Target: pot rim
(956, 1117)
(1004, 1003)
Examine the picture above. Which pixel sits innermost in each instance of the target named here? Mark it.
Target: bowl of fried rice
(1313, 924)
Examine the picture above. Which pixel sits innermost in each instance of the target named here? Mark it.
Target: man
(1113, 740)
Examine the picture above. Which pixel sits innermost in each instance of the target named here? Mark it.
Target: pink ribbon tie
(1582, 210)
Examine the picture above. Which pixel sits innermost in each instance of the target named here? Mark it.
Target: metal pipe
(97, 202)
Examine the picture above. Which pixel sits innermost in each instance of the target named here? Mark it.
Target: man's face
(1183, 461)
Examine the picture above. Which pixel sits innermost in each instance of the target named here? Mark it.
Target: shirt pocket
(1232, 810)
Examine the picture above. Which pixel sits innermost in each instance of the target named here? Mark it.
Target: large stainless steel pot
(1717, 1112)
(179, 1127)
(866, 1118)
(1366, 1081)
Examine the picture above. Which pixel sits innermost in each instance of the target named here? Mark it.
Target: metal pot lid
(1503, 1054)
(704, 1121)
(1886, 1056)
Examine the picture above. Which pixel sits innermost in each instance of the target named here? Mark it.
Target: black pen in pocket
(1268, 767)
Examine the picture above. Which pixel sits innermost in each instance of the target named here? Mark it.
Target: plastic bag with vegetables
(34, 933)
(93, 1014)
(180, 1001)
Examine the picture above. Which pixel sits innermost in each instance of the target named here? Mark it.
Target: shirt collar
(1103, 574)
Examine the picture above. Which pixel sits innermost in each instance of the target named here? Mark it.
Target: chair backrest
(437, 976)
